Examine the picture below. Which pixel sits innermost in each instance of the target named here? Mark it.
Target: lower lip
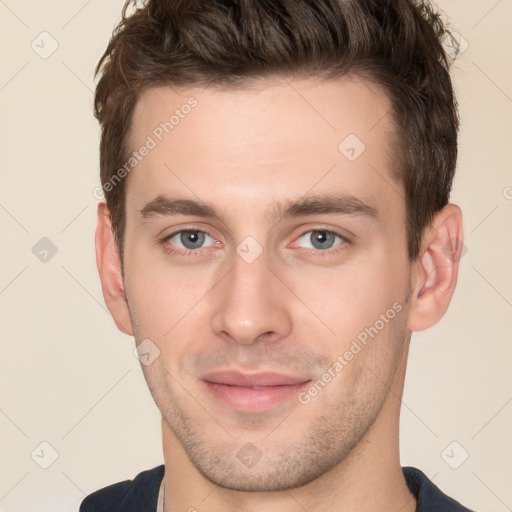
(253, 400)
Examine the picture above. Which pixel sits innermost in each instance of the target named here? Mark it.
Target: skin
(293, 310)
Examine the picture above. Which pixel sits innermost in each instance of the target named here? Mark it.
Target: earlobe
(109, 268)
(435, 273)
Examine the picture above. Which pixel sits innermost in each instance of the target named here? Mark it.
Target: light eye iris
(190, 239)
(319, 239)
(322, 239)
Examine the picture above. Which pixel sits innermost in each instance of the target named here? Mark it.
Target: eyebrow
(313, 205)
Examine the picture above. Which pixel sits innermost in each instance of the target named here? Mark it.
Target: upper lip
(234, 378)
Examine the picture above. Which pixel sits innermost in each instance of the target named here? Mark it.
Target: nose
(251, 304)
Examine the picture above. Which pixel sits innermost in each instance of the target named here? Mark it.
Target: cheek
(342, 304)
(350, 290)
(161, 294)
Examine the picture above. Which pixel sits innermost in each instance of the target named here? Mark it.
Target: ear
(434, 273)
(109, 268)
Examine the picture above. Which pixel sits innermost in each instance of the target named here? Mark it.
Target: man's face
(252, 291)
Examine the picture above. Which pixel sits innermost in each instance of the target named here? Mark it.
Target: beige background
(70, 379)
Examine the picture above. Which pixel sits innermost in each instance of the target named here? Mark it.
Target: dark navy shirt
(141, 494)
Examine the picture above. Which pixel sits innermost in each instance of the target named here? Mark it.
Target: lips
(255, 380)
(252, 393)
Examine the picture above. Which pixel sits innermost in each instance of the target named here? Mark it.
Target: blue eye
(321, 239)
(188, 242)
(189, 239)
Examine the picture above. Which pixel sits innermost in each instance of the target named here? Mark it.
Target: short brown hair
(396, 44)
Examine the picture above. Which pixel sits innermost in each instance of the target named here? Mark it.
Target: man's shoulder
(139, 494)
(430, 498)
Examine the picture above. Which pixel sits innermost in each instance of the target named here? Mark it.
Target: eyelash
(196, 252)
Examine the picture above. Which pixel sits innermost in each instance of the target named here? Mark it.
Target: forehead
(274, 141)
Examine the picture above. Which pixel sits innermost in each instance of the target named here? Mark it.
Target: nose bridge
(248, 303)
